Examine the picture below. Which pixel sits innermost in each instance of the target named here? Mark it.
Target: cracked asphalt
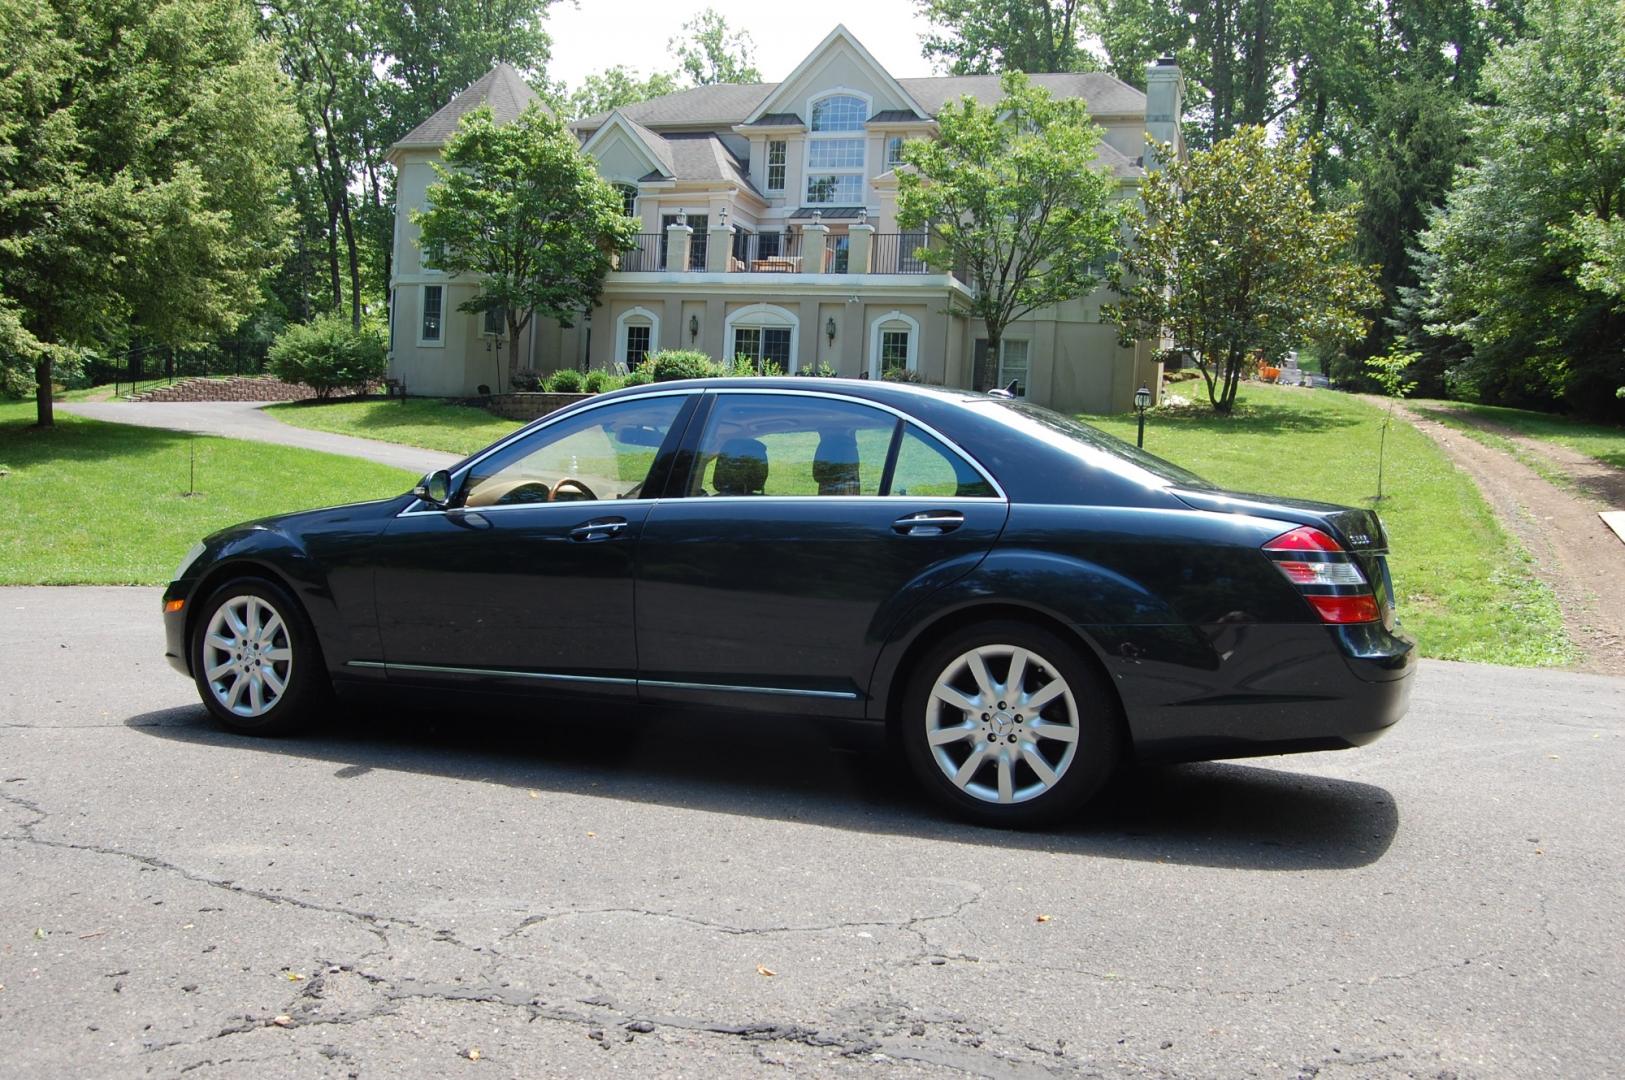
(585, 893)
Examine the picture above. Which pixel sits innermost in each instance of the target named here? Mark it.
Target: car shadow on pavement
(844, 776)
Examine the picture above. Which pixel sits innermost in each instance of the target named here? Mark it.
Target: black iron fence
(895, 253)
(648, 254)
(164, 363)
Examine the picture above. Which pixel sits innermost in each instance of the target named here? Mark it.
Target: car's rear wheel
(1010, 725)
(255, 659)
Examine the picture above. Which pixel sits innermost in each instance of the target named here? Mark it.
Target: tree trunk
(44, 416)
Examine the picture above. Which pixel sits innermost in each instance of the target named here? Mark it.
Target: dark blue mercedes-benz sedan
(1026, 601)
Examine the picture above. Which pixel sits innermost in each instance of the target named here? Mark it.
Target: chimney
(1164, 103)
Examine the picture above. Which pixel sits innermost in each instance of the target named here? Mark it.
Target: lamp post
(1142, 402)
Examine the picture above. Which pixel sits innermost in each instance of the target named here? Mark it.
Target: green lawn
(93, 503)
(427, 422)
(1606, 444)
(1463, 584)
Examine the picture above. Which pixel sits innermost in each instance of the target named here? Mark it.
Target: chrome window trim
(605, 680)
(952, 446)
(530, 429)
(578, 503)
(541, 425)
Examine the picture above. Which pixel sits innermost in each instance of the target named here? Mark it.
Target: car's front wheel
(1010, 725)
(255, 659)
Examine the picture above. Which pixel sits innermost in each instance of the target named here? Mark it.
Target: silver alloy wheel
(1002, 724)
(247, 657)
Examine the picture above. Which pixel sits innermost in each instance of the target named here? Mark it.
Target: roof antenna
(1005, 392)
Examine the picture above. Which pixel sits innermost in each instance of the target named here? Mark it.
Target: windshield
(1063, 431)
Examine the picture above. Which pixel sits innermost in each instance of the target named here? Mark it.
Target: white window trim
(622, 321)
(767, 168)
(861, 134)
(757, 316)
(637, 193)
(998, 367)
(445, 295)
(877, 325)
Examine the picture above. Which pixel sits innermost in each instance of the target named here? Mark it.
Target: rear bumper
(1263, 690)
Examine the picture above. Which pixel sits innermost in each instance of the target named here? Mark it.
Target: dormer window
(836, 150)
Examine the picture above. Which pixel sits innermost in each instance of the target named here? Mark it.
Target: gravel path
(248, 420)
(1573, 550)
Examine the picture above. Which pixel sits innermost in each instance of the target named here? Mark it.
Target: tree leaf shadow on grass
(1258, 418)
(838, 776)
(74, 439)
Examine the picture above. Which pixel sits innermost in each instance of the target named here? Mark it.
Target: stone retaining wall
(528, 406)
(236, 388)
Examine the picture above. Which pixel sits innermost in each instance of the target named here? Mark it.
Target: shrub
(672, 364)
(1182, 375)
(820, 370)
(565, 381)
(599, 381)
(527, 380)
(327, 354)
(641, 377)
(902, 374)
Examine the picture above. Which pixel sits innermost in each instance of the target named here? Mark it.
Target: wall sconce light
(693, 328)
(682, 216)
(722, 218)
(829, 329)
(863, 215)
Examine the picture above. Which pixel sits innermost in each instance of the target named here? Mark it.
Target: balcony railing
(649, 254)
(893, 253)
(766, 253)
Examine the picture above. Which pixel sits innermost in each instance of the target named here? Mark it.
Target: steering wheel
(573, 490)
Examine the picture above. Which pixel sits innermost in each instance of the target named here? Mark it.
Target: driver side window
(604, 453)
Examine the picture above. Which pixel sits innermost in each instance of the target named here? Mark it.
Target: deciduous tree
(981, 37)
(1512, 251)
(614, 87)
(143, 146)
(708, 51)
(521, 206)
(1011, 194)
(1229, 257)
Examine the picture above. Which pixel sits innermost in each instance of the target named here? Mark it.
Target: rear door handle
(929, 523)
(598, 529)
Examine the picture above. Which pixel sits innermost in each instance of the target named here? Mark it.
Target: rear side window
(788, 444)
(927, 469)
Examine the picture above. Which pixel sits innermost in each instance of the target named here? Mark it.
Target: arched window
(835, 150)
(894, 344)
(763, 334)
(629, 199)
(637, 334)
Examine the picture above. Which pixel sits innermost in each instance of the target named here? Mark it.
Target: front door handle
(929, 523)
(598, 529)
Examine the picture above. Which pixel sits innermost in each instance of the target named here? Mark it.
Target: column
(678, 236)
(858, 246)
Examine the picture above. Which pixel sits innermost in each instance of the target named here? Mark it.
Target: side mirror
(435, 488)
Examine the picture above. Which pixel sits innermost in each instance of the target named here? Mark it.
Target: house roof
(503, 88)
(776, 119)
(725, 106)
(827, 213)
(703, 156)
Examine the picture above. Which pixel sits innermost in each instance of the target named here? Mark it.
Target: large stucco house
(770, 230)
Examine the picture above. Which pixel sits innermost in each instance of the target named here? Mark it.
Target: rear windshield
(1063, 431)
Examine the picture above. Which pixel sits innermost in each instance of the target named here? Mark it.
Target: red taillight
(1346, 609)
(1304, 539)
(1312, 560)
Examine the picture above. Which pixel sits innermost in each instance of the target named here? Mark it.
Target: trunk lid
(1360, 532)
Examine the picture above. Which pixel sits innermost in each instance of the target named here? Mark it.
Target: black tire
(1093, 715)
(306, 689)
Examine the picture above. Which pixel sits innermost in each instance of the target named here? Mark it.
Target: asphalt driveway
(249, 420)
(581, 893)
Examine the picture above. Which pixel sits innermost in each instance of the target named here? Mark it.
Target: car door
(800, 527)
(524, 580)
